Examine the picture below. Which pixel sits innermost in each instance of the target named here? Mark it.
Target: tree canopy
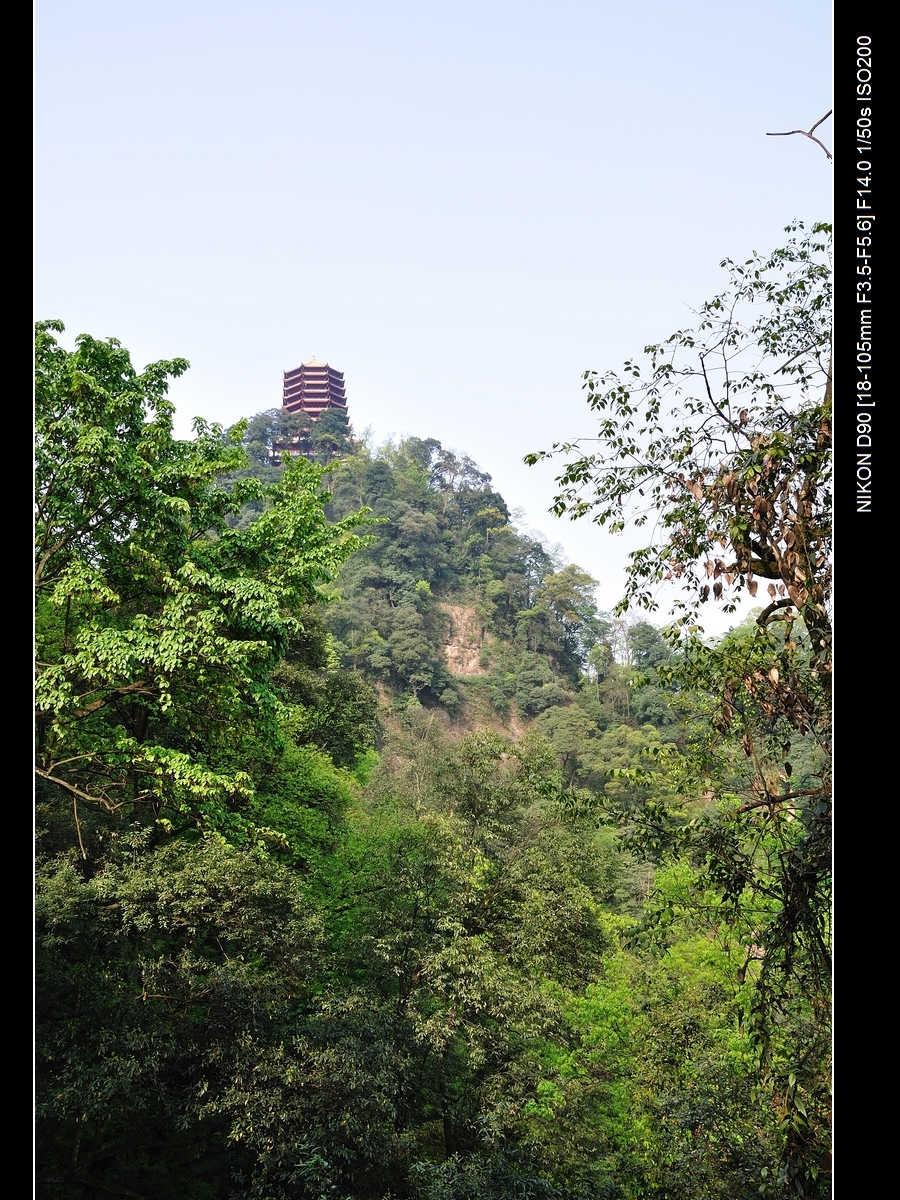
(382, 865)
(159, 625)
(720, 439)
(723, 436)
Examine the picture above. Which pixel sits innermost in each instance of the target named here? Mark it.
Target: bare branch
(807, 133)
(78, 827)
(771, 798)
(76, 791)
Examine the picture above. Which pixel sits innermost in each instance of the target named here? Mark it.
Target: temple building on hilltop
(313, 388)
(310, 391)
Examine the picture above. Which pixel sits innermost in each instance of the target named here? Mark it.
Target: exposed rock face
(464, 640)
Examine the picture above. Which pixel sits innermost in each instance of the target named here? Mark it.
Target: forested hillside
(375, 862)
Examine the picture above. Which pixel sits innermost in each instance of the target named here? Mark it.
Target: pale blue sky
(462, 206)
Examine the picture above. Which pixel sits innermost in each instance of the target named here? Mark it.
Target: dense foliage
(724, 435)
(374, 862)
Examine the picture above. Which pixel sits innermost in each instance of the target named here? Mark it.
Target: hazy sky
(461, 206)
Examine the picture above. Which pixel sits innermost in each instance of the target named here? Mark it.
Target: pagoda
(313, 388)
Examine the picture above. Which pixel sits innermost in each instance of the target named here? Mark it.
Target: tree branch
(769, 799)
(807, 133)
(77, 1177)
(76, 791)
(773, 607)
(129, 688)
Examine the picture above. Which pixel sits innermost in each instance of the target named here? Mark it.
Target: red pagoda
(313, 388)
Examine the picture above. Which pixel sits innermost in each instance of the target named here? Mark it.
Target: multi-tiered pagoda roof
(313, 388)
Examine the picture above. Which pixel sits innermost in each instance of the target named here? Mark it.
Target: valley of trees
(373, 861)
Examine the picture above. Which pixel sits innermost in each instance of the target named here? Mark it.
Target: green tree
(568, 596)
(158, 626)
(331, 436)
(165, 731)
(492, 918)
(726, 439)
(157, 971)
(267, 434)
(723, 438)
